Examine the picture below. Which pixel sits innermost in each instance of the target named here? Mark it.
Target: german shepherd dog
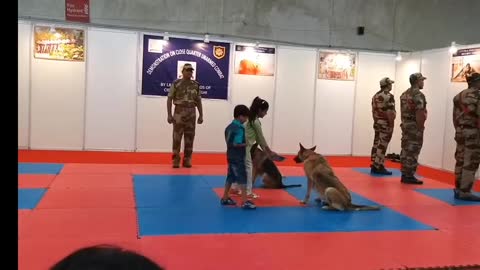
(263, 165)
(321, 177)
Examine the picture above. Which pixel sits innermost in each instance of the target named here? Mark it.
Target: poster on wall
(337, 66)
(58, 43)
(77, 10)
(464, 63)
(254, 60)
(163, 61)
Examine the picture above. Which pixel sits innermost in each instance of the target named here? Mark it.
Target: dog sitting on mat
(321, 177)
(262, 164)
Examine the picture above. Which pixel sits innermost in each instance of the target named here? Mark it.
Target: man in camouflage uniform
(413, 107)
(466, 120)
(383, 111)
(185, 95)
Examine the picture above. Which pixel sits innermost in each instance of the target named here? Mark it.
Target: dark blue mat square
(39, 168)
(28, 198)
(446, 195)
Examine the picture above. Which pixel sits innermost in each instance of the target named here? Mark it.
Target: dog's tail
(356, 207)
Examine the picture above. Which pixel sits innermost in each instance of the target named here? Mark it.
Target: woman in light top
(254, 134)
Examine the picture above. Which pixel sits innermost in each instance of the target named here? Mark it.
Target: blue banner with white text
(163, 61)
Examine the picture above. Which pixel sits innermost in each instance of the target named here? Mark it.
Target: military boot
(465, 196)
(411, 180)
(175, 161)
(187, 162)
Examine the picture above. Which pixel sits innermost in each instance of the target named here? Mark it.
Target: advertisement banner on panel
(337, 66)
(77, 10)
(252, 60)
(464, 63)
(59, 43)
(163, 61)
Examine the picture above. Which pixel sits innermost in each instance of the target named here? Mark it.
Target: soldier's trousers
(183, 126)
(383, 135)
(412, 142)
(467, 156)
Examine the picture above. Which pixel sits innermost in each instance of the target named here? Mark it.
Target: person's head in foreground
(241, 112)
(105, 257)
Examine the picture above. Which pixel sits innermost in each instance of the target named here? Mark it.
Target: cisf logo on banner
(219, 52)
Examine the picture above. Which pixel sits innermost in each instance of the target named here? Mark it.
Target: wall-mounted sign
(251, 60)
(77, 10)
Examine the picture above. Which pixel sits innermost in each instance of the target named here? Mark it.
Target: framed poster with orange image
(254, 60)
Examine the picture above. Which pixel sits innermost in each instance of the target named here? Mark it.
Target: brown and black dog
(263, 165)
(321, 177)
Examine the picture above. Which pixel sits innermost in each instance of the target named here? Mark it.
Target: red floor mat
(35, 180)
(93, 181)
(80, 223)
(41, 254)
(74, 198)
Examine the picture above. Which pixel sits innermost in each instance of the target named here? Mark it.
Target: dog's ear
(301, 147)
(313, 148)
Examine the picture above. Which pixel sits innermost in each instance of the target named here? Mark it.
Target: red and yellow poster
(464, 63)
(58, 43)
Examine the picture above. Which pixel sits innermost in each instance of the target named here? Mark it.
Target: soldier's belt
(186, 105)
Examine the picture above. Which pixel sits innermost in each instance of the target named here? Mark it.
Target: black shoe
(465, 196)
(411, 180)
(380, 171)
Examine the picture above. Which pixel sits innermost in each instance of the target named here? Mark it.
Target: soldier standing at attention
(466, 120)
(413, 107)
(383, 110)
(185, 95)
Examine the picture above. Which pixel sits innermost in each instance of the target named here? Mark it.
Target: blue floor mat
(167, 206)
(39, 168)
(446, 195)
(28, 198)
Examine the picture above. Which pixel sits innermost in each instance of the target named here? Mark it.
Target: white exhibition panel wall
(435, 67)
(246, 87)
(153, 132)
(294, 99)
(111, 89)
(371, 69)
(410, 64)
(210, 136)
(24, 53)
(57, 104)
(334, 103)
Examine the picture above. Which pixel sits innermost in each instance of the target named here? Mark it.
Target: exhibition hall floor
(69, 200)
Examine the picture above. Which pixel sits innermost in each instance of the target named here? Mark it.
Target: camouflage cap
(473, 78)
(187, 66)
(386, 81)
(417, 76)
